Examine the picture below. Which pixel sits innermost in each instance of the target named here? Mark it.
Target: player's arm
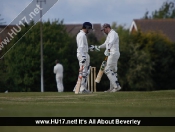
(103, 45)
(112, 40)
(81, 44)
(54, 70)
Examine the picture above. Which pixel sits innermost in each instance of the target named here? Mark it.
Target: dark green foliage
(62, 47)
(161, 50)
(139, 75)
(22, 63)
(159, 59)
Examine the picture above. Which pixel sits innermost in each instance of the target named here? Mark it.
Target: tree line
(146, 61)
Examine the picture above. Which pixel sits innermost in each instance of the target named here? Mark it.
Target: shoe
(119, 88)
(108, 90)
(85, 91)
(115, 89)
(74, 88)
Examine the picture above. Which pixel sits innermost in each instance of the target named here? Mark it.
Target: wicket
(91, 80)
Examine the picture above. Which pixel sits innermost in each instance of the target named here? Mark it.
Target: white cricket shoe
(115, 89)
(85, 91)
(108, 90)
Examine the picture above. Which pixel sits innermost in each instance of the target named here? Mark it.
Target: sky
(78, 11)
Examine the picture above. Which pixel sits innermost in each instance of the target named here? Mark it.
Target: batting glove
(94, 48)
(107, 53)
(91, 48)
(97, 48)
(83, 59)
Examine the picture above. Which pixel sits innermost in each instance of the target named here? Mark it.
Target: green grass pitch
(67, 104)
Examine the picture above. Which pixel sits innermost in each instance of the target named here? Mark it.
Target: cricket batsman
(83, 56)
(112, 52)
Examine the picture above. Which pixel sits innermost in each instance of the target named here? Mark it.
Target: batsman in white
(112, 51)
(58, 70)
(83, 56)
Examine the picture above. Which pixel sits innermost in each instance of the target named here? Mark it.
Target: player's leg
(115, 72)
(59, 84)
(83, 88)
(80, 66)
(109, 71)
(111, 86)
(116, 68)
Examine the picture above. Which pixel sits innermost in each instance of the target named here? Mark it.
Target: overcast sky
(79, 11)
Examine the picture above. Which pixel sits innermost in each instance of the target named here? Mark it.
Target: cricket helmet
(87, 25)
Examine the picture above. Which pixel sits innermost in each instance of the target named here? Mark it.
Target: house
(4, 30)
(73, 30)
(166, 26)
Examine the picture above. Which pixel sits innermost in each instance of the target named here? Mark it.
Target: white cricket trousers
(112, 67)
(59, 81)
(85, 70)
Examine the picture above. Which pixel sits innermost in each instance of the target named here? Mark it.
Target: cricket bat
(77, 89)
(101, 71)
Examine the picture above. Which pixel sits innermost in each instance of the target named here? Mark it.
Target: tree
(166, 11)
(139, 75)
(22, 63)
(161, 54)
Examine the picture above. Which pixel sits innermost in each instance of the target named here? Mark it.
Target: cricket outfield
(67, 104)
